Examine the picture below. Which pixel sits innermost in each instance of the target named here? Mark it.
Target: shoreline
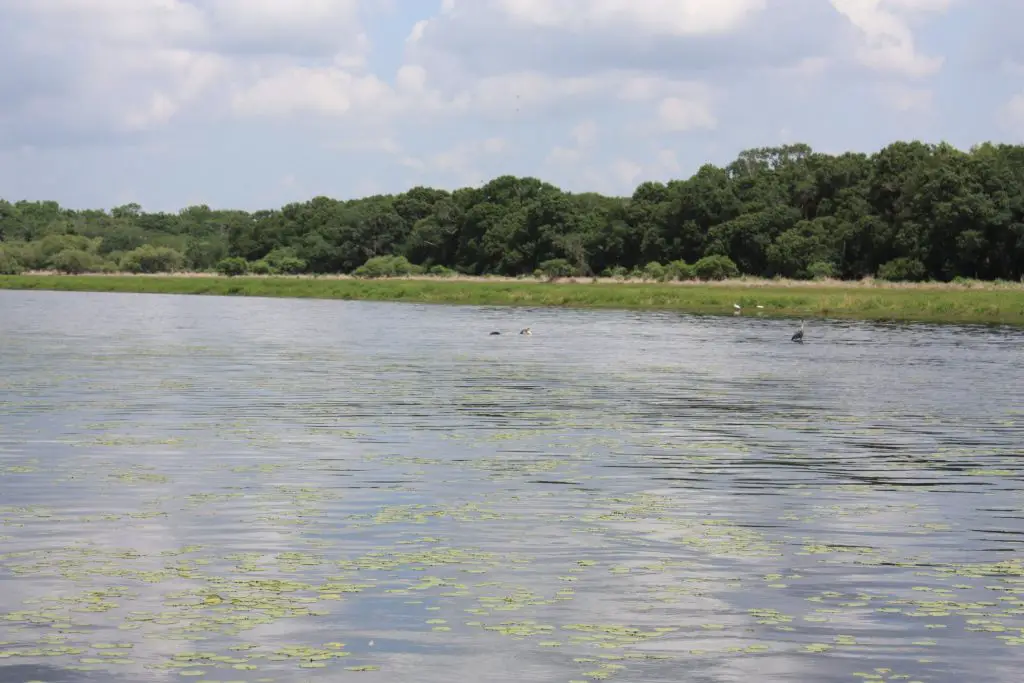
(987, 303)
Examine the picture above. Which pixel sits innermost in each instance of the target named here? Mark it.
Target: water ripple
(247, 489)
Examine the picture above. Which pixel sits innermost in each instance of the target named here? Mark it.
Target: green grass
(933, 304)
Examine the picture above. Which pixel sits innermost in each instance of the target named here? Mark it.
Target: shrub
(9, 264)
(654, 271)
(75, 262)
(556, 268)
(820, 270)
(285, 261)
(902, 270)
(232, 266)
(386, 266)
(716, 267)
(260, 267)
(679, 270)
(150, 259)
(440, 271)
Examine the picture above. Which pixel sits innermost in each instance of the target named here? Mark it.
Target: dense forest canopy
(911, 211)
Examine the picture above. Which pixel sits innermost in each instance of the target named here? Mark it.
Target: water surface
(230, 489)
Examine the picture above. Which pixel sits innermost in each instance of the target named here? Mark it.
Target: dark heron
(798, 336)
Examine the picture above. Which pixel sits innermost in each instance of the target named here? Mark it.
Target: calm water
(276, 490)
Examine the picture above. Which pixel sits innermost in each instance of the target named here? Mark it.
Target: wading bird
(798, 336)
(737, 309)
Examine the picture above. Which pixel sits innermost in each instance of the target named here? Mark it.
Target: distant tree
(907, 211)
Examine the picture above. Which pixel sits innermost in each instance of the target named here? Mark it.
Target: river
(242, 489)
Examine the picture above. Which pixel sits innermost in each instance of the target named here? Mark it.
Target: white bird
(738, 309)
(526, 330)
(760, 306)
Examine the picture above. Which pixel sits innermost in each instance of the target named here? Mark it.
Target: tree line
(911, 211)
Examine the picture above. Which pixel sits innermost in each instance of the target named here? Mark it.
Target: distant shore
(965, 303)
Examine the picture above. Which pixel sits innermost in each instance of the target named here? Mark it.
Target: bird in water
(495, 332)
(798, 336)
(526, 330)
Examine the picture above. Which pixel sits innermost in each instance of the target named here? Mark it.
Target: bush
(232, 266)
(260, 267)
(285, 261)
(9, 264)
(820, 270)
(40, 254)
(386, 266)
(654, 271)
(556, 268)
(679, 270)
(440, 271)
(75, 262)
(716, 267)
(902, 270)
(150, 259)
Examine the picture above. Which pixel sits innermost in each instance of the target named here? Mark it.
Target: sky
(253, 104)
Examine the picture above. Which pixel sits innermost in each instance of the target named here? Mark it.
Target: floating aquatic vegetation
(587, 516)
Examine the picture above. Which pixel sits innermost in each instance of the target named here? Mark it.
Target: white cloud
(887, 40)
(676, 114)
(131, 65)
(587, 93)
(652, 17)
(462, 162)
(326, 91)
(584, 135)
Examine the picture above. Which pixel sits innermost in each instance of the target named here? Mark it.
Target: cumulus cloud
(887, 41)
(136, 65)
(677, 38)
(460, 162)
(594, 91)
(584, 136)
(96, 67)
(650, 17)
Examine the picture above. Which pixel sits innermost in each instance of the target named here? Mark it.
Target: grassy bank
(924, 303)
